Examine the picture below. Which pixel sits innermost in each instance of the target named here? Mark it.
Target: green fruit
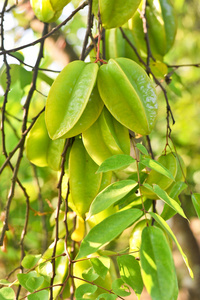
(169, 161)
(89, 116)
(136, 236)
(40, 149)
(69, 97)
(96, 219)
(84, 183)
(44, 11)
(61, 267)
(48, 10)
(106, 137)
(129, 94)
(117, 46)
(162, 27)
(114, 13)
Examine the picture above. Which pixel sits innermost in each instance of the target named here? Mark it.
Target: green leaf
(34, 282)
(158, 167)
(142, 149)
(196, 203)
(110, 195)
(23, 278)
(107, 230)
(106, 296)
(120, 288)
(44, 295)
(129, 269)
(166, 198)
(177, 188)
(99, 267)
(90, 274)
(116, 162)
(29, 261)
(4, 282)
(158, 270)
(166, 227)
(7, 293)
(83, 289)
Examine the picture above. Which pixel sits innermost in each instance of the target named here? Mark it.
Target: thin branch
(88, 30)
(59, 187)
(20, 142)
(85, 3)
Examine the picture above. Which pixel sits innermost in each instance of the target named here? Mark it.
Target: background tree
(42, 223)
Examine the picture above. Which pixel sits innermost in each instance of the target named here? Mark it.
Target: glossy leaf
(156, 166)
(166, 198)
(158, 270)
(115, 162)
(129, 269)
(44, 295)
(23, 279)
(177, 188)
(69, 96)
(166, 227)
(196, 203)
(168, 169)
(6, 293)
(106, 296)
(107, 230)
(29, 261)
(129, 94)
(110, 195)
(142, 149)
(120, 288)
(99, 267)
(83, 289)
(90, 274)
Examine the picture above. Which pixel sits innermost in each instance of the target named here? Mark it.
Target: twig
(59, 187)
(48, 34)
(88, 30)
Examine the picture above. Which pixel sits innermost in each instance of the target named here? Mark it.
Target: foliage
(89, 154)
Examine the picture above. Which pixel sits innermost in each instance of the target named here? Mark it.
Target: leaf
(99, 267)
(23, 278)
(29, 261)
(158, 167)
(166, 198)
(129, 269)
(44, 295)
(196, 203)
(4, 282)
(107, 230)
(83, 289)
(166, 227)
(110, 195)
(177, 188)
(90, 274)
(34, 282)
(7, 293)
(120, 288)
(158, 270)
(116, 162)
(106, 296)
(142, 149)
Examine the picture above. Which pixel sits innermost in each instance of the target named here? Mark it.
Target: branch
(41, 40)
